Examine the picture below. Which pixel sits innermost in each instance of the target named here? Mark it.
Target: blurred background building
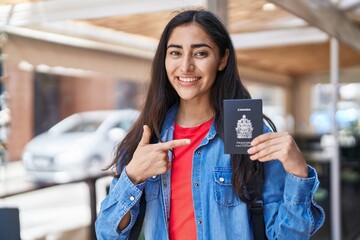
(60, 57)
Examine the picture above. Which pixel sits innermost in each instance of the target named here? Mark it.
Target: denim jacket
(290, 211)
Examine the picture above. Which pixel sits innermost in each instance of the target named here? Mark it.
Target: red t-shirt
(182, 221)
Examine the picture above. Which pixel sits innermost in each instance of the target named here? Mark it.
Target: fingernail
(250, 150)
(187, 141)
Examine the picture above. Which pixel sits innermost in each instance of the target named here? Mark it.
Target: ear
(224, 60)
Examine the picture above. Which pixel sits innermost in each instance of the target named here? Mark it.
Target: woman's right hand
(151, 159)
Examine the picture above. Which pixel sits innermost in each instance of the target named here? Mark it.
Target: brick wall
(76, 94)
(19, 85)
(86, 93)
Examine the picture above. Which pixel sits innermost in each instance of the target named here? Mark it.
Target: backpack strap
(257, 207)
(136, 229)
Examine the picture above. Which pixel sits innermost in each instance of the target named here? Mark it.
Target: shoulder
(170, 116)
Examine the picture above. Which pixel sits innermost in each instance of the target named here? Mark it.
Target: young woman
(174, 154)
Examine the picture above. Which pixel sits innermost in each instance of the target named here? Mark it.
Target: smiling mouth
(192, 79)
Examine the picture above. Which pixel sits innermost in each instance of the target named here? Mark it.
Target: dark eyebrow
(198, 45)
(174, 46)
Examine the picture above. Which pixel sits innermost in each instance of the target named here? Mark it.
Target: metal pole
(335, 161)
(91, 182)
(220, 8)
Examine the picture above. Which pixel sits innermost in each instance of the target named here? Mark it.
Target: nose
(187, 64)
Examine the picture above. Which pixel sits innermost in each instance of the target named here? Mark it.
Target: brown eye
(175, 53)
(201, 54)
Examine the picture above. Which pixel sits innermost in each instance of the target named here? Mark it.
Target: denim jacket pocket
(152, 188)
(224, 192)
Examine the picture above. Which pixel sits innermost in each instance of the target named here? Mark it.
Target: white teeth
(188, 79)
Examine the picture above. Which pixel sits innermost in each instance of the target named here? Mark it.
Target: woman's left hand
(281, 146)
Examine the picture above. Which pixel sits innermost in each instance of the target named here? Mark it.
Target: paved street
(48, 213)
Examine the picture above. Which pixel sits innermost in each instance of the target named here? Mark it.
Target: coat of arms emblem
(244, 128)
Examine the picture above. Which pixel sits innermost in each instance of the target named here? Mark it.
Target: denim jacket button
(198, 152)
(221, 179)
(199, 222)
(196, 184)
(132, 198)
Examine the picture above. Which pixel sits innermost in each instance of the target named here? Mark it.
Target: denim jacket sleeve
(290, 210)
(123, 196)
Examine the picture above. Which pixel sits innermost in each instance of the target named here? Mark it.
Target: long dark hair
(161, 96)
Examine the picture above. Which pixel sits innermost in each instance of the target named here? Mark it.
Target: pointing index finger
(174, 143)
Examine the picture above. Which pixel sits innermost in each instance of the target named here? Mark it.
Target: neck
(192, 115)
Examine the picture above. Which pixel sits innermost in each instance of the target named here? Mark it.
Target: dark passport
(243, 121)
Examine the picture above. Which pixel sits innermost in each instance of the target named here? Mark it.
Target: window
(347, 115)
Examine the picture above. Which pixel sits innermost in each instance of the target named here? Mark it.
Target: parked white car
(78, 146)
